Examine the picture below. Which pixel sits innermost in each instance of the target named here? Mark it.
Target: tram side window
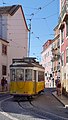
(35, 75)
(28, 74)
(40, 76)
(19, 74)
(12, 74)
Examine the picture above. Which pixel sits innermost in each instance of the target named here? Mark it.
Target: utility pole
(29, 38)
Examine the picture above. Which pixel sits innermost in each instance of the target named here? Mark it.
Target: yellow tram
(26, 77)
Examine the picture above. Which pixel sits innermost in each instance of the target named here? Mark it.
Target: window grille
(4, 49)
(4, 70)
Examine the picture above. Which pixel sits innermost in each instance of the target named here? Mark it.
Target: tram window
(12, 74)
(19, 74)
(28, 74)
(40, 76)
(35, 75)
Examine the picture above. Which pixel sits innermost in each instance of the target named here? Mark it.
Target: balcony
(55, 57)
(58, 45)
(52, 69)
(55, 68)
(58, 67)
(63, 12)
(52, 49)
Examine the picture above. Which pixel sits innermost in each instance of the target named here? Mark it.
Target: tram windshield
(20, 74)
(28, 74)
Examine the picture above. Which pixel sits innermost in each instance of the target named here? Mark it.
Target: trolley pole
(29, 38)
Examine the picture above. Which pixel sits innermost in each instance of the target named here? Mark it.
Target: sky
(44, 16)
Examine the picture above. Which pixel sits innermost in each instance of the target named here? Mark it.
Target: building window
(67, 28)
(62, 60)
(4, 70)
(64, 75)
(62, 36)
(66, 55)
(58, 43)
(4, 49)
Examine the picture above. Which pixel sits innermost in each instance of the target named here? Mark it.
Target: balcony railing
(58, 45)
(55, 57)
(64, 11)
(52, 69)
(55, 69)
(52, 49)
(58, 67)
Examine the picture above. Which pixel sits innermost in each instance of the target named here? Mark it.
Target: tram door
(12, 80)
(35, 80)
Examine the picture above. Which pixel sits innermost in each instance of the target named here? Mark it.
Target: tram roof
(26, 62)
(24, 59)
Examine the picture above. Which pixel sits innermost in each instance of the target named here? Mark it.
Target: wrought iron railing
(64, 11)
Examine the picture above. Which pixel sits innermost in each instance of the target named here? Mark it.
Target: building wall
(13, 29)
(64, 45)
(56, 54)
(17, 35)
(3, 26)
(0, 60)
(47, 64)
(65, 66)
(3, 58)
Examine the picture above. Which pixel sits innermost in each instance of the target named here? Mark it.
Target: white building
(13, 28)
(46, 62)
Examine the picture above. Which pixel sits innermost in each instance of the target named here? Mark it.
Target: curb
(58, 99)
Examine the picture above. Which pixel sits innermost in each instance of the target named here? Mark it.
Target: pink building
(63, 26)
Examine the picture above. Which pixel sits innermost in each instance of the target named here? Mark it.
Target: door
(35, 76)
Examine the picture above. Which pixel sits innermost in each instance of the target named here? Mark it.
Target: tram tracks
(31, 108)
(38, 112)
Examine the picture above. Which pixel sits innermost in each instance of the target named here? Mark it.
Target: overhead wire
(3, 2)
(43, 18)
(40, 8)
(37, 37)
(52, 15)
(48, 4)
(33, 14)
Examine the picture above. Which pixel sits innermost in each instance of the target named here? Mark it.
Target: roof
(56, 27)
(26, 62)
(50, 40)
(11, 10)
